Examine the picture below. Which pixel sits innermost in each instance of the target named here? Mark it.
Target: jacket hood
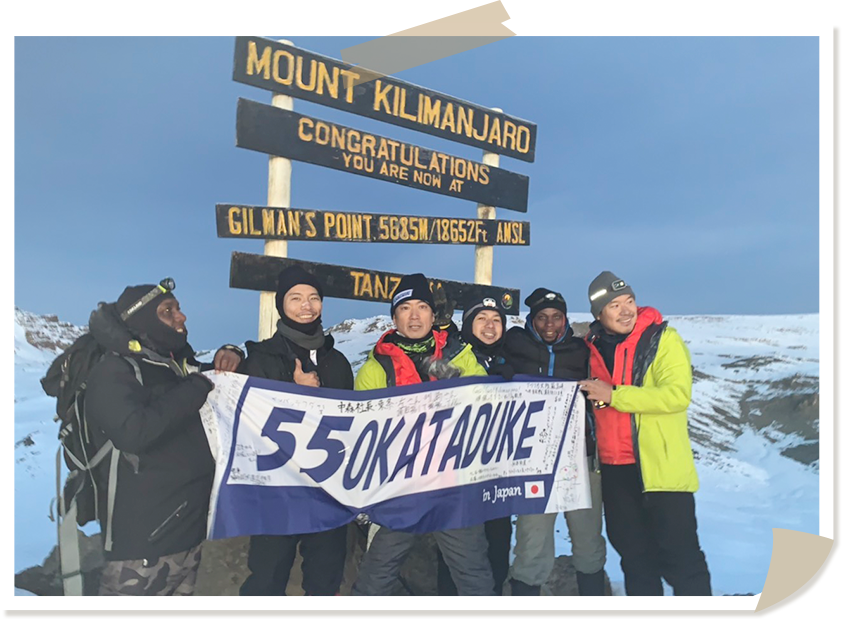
(109, 331)
(113, 334)
(568, 331)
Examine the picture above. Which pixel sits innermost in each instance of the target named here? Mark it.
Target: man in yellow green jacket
(411, 353)
(641, 383)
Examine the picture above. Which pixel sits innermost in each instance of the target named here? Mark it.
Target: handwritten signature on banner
(294, 459)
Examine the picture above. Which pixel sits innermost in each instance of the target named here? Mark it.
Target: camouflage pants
(170, 575)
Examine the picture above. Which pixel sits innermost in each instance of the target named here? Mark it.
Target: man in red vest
(641, 383)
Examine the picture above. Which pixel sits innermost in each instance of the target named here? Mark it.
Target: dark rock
(46, 579)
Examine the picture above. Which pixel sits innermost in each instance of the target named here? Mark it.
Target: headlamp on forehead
(550, 296)
(618, 284)
(489, 302)
(166, 285)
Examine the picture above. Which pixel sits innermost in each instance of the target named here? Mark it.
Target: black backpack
(88, 481)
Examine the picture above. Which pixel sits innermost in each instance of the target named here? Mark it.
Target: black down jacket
(569, 358)
(165, 472)
(274, 358)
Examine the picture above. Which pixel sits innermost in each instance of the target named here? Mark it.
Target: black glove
(201, 379)
(502, 369)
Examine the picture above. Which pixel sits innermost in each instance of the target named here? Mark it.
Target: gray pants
(169, 575)
(465, 552)
(535, 540)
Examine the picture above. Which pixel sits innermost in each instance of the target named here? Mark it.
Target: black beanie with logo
(542, 298)
(415, 286)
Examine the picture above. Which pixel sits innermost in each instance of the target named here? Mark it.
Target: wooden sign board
(271, 130)
(306, 75)
(294, 224)
(256, 272)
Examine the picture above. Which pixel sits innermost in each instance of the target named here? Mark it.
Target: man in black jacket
(145, 398)
(547, 347)
(298, 352)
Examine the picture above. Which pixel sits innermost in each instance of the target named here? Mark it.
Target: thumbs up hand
(310, 379)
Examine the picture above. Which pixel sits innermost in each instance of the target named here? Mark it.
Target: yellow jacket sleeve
(467, 363)
(667, 384)
(371, 376)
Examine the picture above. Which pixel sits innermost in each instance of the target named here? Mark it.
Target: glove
(502, 369)
(202, 379)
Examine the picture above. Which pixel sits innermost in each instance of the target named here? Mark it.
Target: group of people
(634, 370)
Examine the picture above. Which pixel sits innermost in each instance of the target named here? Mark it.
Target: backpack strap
(112, 471)
(68, 540)
(68, 532)
(647, 348)
(388, 366)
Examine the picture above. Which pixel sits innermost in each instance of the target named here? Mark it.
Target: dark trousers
(271, 557)
(498, 532)
(654, 533)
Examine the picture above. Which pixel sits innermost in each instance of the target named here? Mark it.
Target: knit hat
(138, 308)
(288, 278)
(542, 298)
(415, 286)
(292, 276)
(474, 308)
(604, 289)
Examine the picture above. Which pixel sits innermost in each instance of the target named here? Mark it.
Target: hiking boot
(521, 588)
(591, 584)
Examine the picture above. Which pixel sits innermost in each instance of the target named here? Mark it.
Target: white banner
(434, 456)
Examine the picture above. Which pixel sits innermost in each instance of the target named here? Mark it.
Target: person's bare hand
(226, 360)
(310, 379)
(597, 390)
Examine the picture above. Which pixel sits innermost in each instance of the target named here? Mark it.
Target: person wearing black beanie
(299, 352)
(144, 399)
(546, 346)
(411, 353)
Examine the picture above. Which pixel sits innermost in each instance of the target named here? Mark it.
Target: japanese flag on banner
(440, 455)
(534, 489)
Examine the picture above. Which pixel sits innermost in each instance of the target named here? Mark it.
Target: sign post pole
(484, 254)
(280, 178)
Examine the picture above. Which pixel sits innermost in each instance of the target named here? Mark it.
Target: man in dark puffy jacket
(547, 347)
(145, 398)
(299, 352)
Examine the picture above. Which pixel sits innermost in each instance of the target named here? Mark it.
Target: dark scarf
(606, 343)
(308, 341)
(308, 329)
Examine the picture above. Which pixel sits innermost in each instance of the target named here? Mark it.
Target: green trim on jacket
(373, 376)
(660, 416)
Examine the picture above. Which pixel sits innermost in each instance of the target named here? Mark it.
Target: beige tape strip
(435, 40)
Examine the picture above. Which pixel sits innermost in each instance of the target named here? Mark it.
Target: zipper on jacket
(157, 532)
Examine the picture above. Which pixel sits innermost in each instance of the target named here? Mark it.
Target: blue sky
(689, 166)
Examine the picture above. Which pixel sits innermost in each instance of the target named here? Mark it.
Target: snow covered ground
(747, 488)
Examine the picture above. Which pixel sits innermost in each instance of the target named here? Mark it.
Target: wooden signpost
(294, 224)
(285, 135)
(293, 71)
(303, 138)
(257, 272)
